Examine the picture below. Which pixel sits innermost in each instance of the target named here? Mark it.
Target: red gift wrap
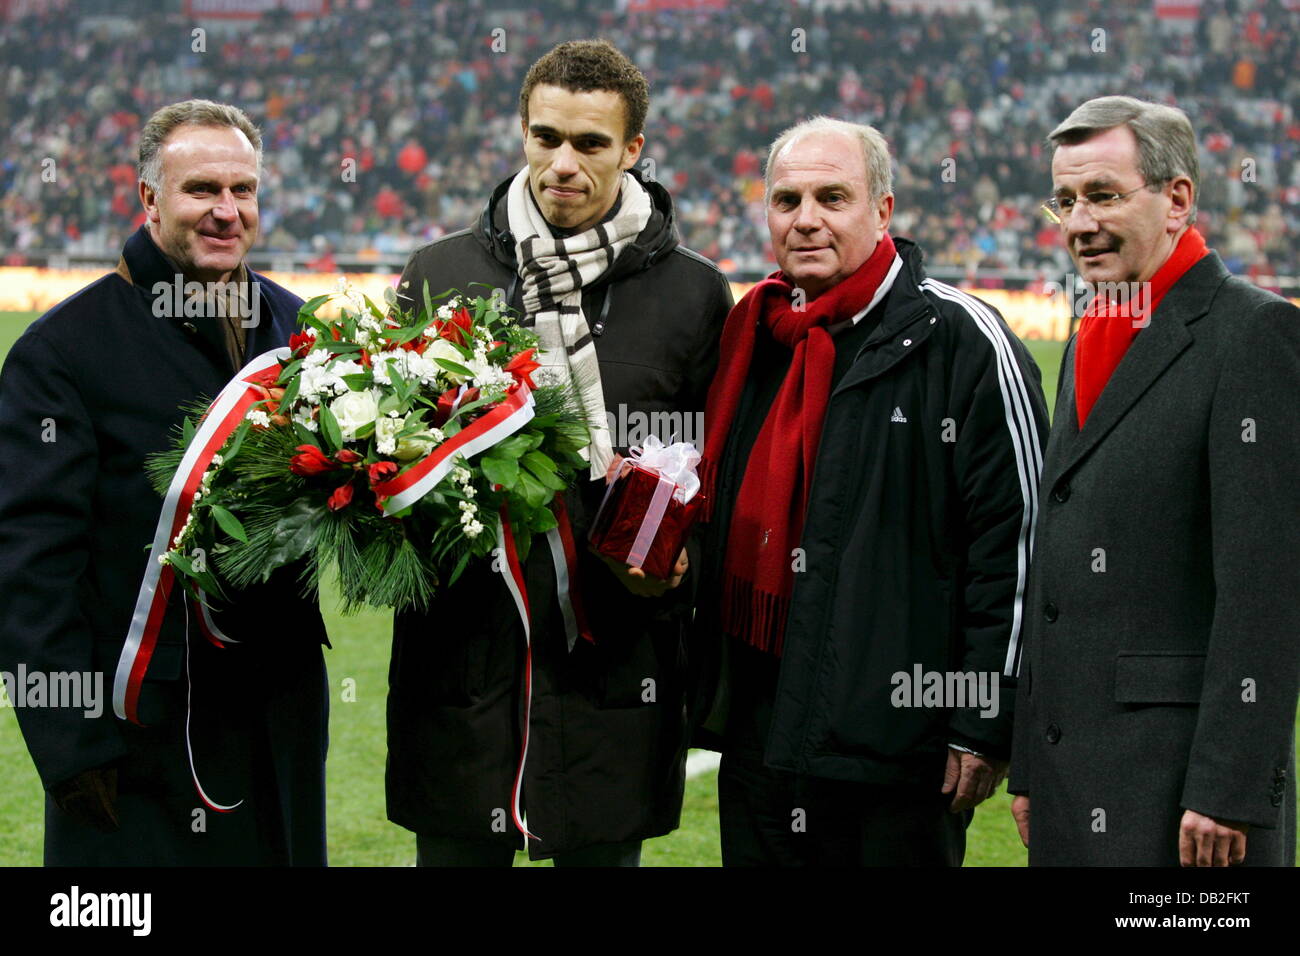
(641, 524)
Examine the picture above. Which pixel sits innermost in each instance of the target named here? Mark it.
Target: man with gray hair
(871, 460)
(1155, 719)
(212, 753)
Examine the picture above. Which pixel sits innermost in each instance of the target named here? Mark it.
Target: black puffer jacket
(915, 545)
(607, 745)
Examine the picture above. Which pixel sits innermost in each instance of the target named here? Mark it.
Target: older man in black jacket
(222, 761)
(873, 453)
(587, 251)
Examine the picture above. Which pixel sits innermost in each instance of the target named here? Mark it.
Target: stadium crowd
(385, 123)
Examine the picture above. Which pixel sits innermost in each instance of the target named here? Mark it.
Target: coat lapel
(1152, 352)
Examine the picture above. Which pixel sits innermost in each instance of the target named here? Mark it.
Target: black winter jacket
(606, 752)
(915, 547)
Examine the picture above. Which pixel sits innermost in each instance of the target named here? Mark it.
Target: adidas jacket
(912, 566)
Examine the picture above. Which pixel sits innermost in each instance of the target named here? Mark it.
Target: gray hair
(1165, 141)
(875, 151)
(189, 113)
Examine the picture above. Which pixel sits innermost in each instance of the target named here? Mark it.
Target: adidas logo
(898, 416)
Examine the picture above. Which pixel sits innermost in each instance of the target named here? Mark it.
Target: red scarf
(767, 522)
(1108, 328)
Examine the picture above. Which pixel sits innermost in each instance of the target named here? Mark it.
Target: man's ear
(1181, 196)
(885, 207)
(632, 151)
(148, 199)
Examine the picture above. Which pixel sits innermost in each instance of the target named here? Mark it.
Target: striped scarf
(554, 272)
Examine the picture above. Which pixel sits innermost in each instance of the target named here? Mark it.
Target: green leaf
(428, 304)
(308, 308)
(344, 349)
(357, 381)
(460, 567)
(390, 296)
(329, 427)
(454, 367)
(290, 394)
(289, 371)
(187, 431)
(534, 493)
(232, 450)
(544, 521)
(304, 436)
(293, 533)
(512, 447)
(390, 402)
(500, 471)
(538, 463)
(229, 523)
(547, 479)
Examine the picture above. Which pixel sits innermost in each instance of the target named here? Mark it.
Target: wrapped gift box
(647, 515)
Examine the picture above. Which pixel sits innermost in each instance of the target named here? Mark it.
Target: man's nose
(566, 161)
(808, 217)
(225, 208)
(1079, 220)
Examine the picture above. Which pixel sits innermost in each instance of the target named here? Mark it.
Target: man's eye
(835, 197)
(1102, 198)
(1065, 202)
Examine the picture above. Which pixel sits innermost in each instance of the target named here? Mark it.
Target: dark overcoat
(606, 752)
(90, 389)
(1162, 656)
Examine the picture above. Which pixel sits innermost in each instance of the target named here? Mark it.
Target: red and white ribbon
(221, 419)
(489, 429)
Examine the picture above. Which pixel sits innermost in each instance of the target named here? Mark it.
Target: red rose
(381, 471)
(301, 342)
(341, 497)
(347, 456)
(309, 461)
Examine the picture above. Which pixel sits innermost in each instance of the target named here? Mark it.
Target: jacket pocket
(1169, 678)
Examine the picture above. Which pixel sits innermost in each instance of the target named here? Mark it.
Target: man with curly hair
(589, 740)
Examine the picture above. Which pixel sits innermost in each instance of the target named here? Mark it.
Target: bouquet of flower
(386, 443)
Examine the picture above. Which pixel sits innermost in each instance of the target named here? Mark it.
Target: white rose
(410, 447)
(354, 410)
(442, 349)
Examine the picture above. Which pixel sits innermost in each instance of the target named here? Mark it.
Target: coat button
(1061, 494)
(906, 342)
(1050, 612)
(1053, 733)
(1276, 799)
(598, 328)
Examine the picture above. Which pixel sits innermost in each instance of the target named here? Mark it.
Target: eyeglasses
(1058, 210)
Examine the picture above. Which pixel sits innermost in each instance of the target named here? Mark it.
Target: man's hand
(90, 798)
(645, 585)
(1020, 813)
(1205, 841)
(973, 778)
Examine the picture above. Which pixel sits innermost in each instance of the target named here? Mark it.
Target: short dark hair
(581, 66)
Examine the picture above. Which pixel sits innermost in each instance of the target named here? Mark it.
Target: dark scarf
(767, 521)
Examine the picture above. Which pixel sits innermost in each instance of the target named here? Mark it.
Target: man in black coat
(872, 454)
(633, 312)
(89, 390)
(1155, 719)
